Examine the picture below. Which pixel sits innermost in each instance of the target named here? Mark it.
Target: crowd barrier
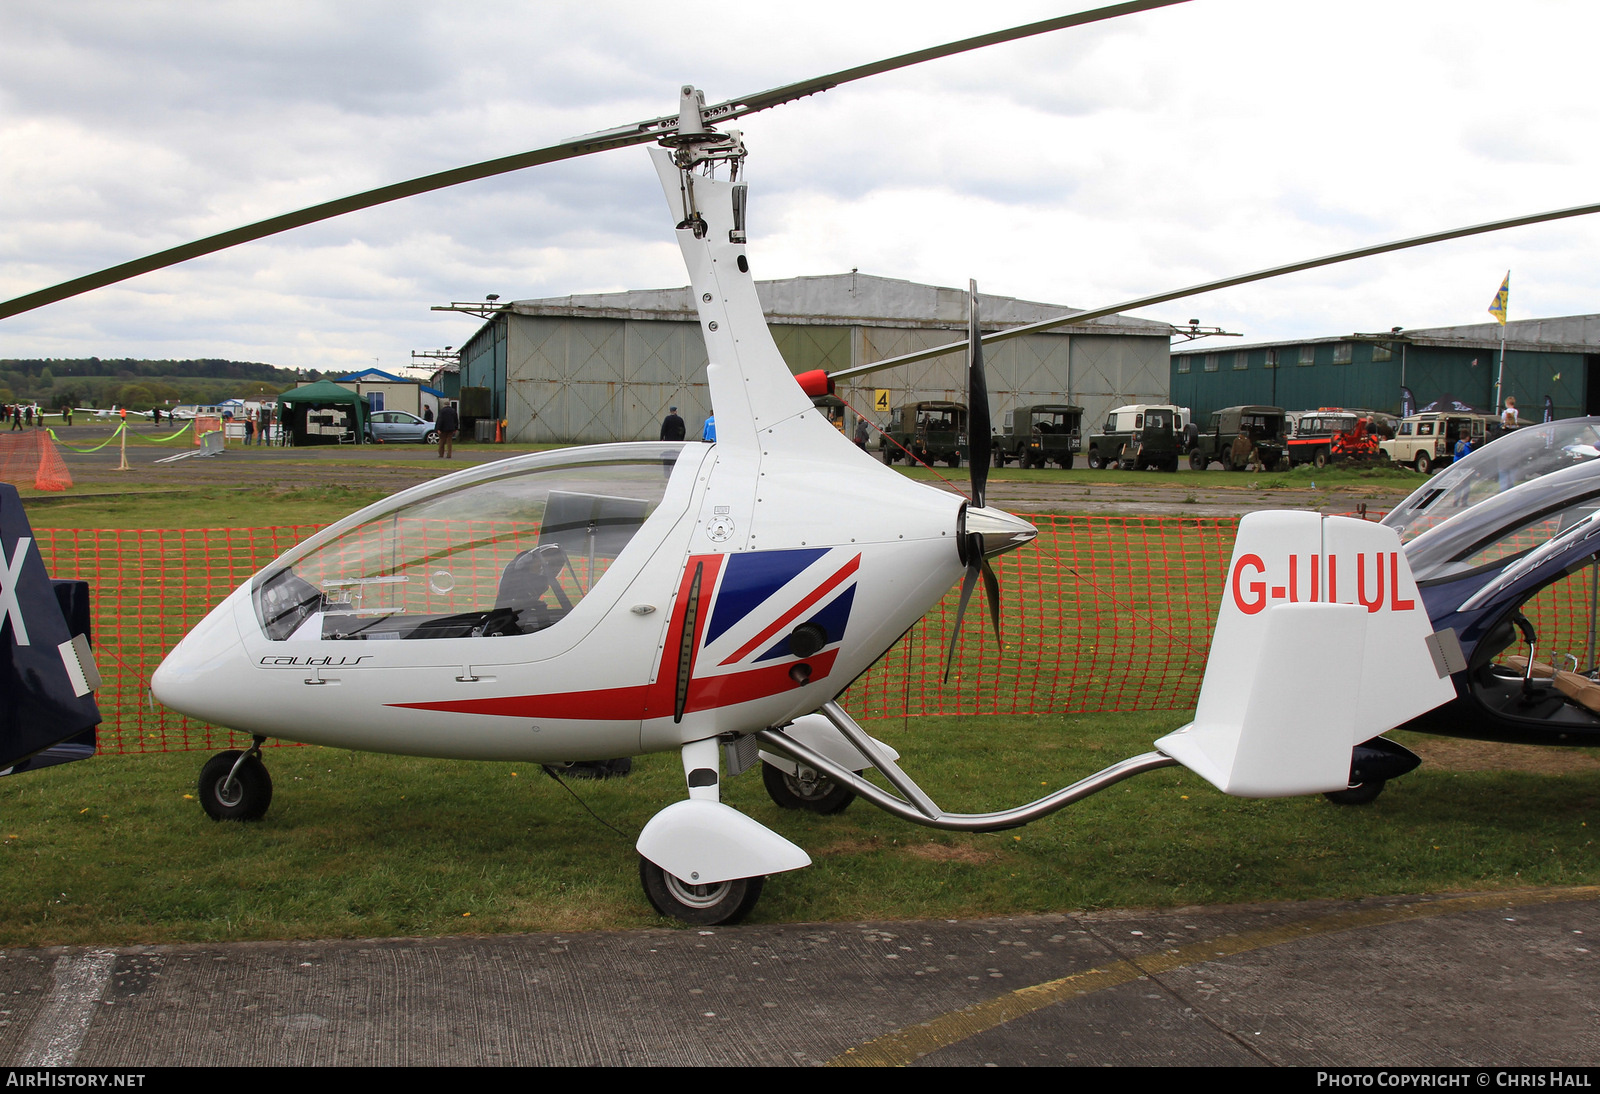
(27, 455)
(1100, 614)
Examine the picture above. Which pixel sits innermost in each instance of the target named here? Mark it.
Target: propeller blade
(991, 591)
(979, 442)
(967, 584)
(643, 132)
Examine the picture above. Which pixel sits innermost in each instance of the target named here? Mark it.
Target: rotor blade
(979, 442)
(643, 133)
(967, 584)
(1220, 283)
(621, 137)
(749, 104)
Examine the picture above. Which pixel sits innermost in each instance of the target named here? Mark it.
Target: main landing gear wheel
(813, 792)
(702, 905)
(1361, 794)
(245, 796)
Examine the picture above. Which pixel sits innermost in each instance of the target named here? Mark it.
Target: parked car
(1036, 435)
(394, 426)
(1139, 435)
(1426, 441)
(931, 430)
(1264, 425)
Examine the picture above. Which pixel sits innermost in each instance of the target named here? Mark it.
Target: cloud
(1082, 167)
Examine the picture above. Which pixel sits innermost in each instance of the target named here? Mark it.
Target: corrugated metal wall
(596, 380)
(1429, 371)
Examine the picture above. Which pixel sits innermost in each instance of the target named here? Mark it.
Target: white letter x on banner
(10, 578)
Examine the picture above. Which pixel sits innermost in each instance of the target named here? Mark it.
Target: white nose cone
(1001, 532)
(201, 677)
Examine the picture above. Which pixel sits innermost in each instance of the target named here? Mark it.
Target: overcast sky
(1083, 167)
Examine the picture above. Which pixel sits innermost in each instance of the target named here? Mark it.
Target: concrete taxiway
(1475, 980)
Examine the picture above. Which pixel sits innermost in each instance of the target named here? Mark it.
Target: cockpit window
(509, 554)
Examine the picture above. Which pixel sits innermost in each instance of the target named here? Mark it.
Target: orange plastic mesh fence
(1100, 614)
(26, 454)
(147, 588)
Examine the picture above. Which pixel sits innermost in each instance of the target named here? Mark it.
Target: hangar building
(1559, 358)
(605, 367)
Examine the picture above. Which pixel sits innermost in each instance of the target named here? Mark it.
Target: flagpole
(1501, 309)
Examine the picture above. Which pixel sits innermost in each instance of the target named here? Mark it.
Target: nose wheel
(234, 785)
(702, 905)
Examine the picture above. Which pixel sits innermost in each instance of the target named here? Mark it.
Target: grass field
(114, 850)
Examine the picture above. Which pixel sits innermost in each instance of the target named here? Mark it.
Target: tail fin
(1321, 644)
(47, 671)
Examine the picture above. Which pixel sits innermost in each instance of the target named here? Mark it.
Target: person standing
(672, 427)
(861, 434)
(1508, 418)
(449, 422)
(708, 432)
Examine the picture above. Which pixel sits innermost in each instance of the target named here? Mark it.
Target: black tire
(1095, 462)
(1066, 462)
(1423, 464)
(1197, 460)
(888, 455)
(999, 457)
(1360, 794)
(1172, 465)
(1320, 460)
(249, 796)
(820, 795)
(702, 905)
(432, 437)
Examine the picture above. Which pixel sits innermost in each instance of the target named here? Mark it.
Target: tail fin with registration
(1322, 643)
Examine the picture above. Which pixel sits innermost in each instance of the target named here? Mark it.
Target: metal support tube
(963, 822)
(869, 748)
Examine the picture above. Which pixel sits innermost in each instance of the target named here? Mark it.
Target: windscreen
(509, 554)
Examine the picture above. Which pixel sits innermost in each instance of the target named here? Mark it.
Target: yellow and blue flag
(1501, 300)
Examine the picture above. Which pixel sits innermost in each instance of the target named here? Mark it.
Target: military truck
(932, 431)
(1139, 435)
(1036, 435)
(1264, 425)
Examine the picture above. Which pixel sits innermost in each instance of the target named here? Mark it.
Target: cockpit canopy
(1511, 460)
(510, 551)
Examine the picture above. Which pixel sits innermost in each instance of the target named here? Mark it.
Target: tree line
(139, 384)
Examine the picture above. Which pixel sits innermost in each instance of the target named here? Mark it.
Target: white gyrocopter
(715, 600)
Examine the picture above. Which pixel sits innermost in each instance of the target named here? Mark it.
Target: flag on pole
(1501, 300)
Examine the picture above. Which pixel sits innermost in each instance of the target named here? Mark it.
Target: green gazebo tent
(306, 413)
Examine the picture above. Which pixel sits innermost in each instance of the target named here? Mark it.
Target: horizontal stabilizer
(1321, 643)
